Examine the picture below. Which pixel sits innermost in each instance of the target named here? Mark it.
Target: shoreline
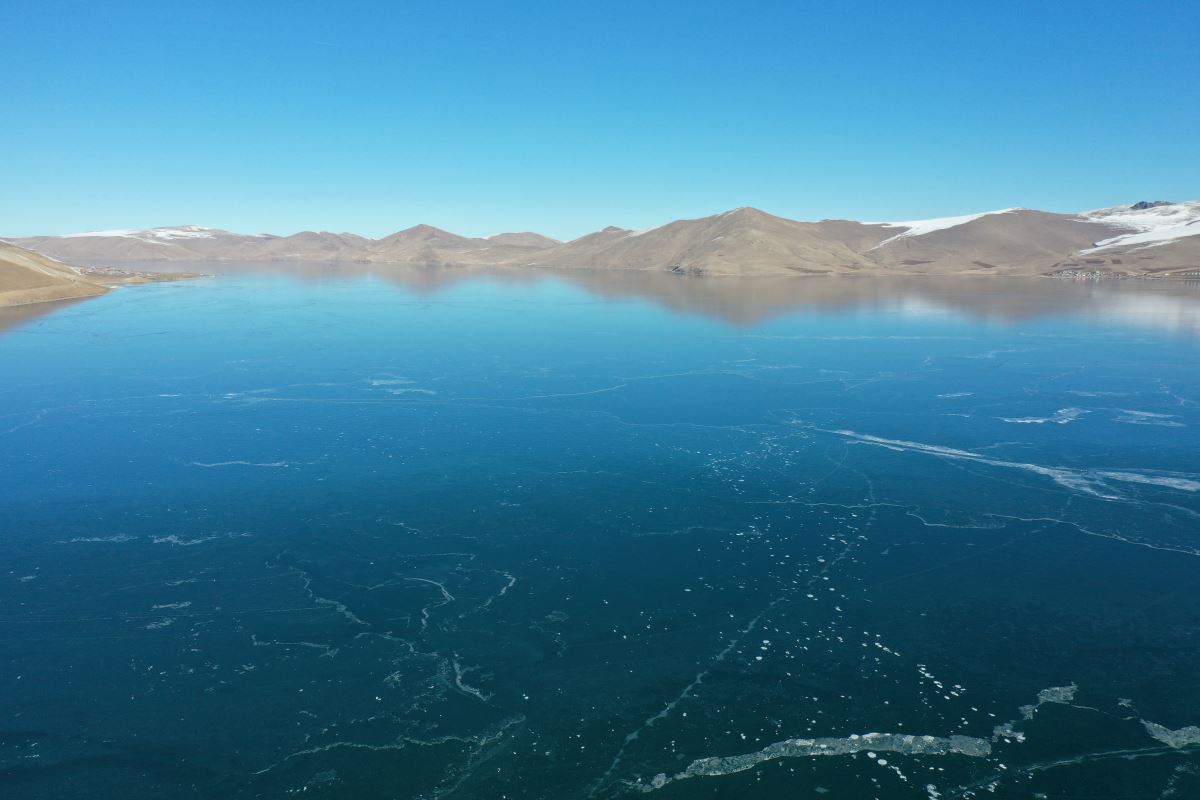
(1192, 274)
(102, 281)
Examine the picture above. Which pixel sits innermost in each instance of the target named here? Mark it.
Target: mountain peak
(523, 239)
(423, 228)
(749, 212)
(740, 241)
(423, 232)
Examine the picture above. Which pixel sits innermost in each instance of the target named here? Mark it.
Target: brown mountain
(524, 239)
(425, 244)
(303, 246)
(858, 236)
(744, 241)
(1139, 239)
(1174, 259)
(27, 277)
(179, 243)
(421, 244)
(1018, 240)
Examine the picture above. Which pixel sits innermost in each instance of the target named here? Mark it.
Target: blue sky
(564, 117)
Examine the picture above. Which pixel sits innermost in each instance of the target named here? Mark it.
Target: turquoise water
(451, 534)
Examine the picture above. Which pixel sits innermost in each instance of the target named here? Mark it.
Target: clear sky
(564, 117)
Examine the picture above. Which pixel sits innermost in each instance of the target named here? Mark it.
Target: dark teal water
(463, 535)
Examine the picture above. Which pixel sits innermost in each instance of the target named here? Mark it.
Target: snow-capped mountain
(154, 235)
(1144, 238)
(1149, 224)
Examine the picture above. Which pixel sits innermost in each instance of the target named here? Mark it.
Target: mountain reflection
(14, 316)
(1170, 306)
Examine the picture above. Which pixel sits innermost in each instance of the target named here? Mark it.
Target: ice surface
(1177, 738)
(871, 743)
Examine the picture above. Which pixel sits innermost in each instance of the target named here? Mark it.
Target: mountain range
(1147, 238)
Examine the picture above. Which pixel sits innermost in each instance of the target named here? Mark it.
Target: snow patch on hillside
(1149, 226)
(920, 227)
(151, 235)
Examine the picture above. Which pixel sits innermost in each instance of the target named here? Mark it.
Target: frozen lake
(402, 533)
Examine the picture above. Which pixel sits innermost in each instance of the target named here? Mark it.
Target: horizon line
(896, 223)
